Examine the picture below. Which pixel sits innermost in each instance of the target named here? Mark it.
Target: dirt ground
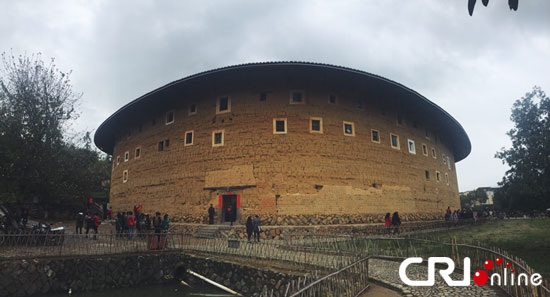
(379, 291)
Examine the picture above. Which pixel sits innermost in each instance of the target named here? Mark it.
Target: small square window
(263, 96)
(279, 126)
(192, 109)
(433, 153)
(394, 141)
(169, 117)
(447, 178)
(223, 104)
(188, 138)
(424, 149)
(349, 128)
(332, 99)
(125, 176)
(399, 120)
(217, 138)
(138, 152)
(316, 125)
(412, 148)
(427, 175)
(161, 146)
(167, 143)
(126, 156)
(375, 136)
(437, 176)
(117, 160)
(297, 97)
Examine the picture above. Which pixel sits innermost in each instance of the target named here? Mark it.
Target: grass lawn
(528, 239)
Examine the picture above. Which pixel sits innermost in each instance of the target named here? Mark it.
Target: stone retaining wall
(37, 277)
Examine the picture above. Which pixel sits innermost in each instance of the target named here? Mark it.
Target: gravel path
(387, 272)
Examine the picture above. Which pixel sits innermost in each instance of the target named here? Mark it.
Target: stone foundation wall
(37, 277)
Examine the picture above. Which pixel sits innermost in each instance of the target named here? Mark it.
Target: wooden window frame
(335, 99)
(228, 104)
(344, 123)
(409, 141)
(189, 112)
(311, 119)
(291, 99)
(398, 147)
(214, 144)
(372, 135)
(192, 137)
(275, 125)
(425, 150)
(166, 122)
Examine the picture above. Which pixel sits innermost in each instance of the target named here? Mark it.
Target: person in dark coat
(256, 229)
(211, 212)
(249, 227)
(79, 222)
(395, 222)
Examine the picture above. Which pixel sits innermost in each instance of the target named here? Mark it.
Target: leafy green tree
(479, 196)
(513, 4)
(37, 164)
(526, 186)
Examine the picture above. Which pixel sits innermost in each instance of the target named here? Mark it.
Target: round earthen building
(293, 142)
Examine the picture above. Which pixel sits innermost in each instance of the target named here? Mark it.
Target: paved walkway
(387, 272)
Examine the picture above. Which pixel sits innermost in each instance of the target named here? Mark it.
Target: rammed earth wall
(298, 173)
(36, 277)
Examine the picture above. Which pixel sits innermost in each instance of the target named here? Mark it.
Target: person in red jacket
(96, 222)
(387, 222)
(131, 223)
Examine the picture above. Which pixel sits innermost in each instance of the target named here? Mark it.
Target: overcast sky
(473, 67)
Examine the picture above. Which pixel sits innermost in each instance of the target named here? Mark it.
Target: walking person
(119, 225)
(395, 222)
(157, 224)
(96, 223)
(131, 222)
(229, 215)
(387, 223)
(211, 213)
(79, 222)
(249, 227)
(166, 223)
(256, 229)
(88, 223)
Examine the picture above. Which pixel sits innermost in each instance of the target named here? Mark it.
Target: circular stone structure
(292, 142)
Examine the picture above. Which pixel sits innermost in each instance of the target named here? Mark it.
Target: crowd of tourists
(88, 221)
(452, 217)
(128, 223)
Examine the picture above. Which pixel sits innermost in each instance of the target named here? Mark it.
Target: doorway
(229, 208)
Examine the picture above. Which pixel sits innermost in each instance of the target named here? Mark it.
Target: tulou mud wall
(36, 277)
(284, 177)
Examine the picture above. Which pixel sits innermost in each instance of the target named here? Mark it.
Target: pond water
(167, 290)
